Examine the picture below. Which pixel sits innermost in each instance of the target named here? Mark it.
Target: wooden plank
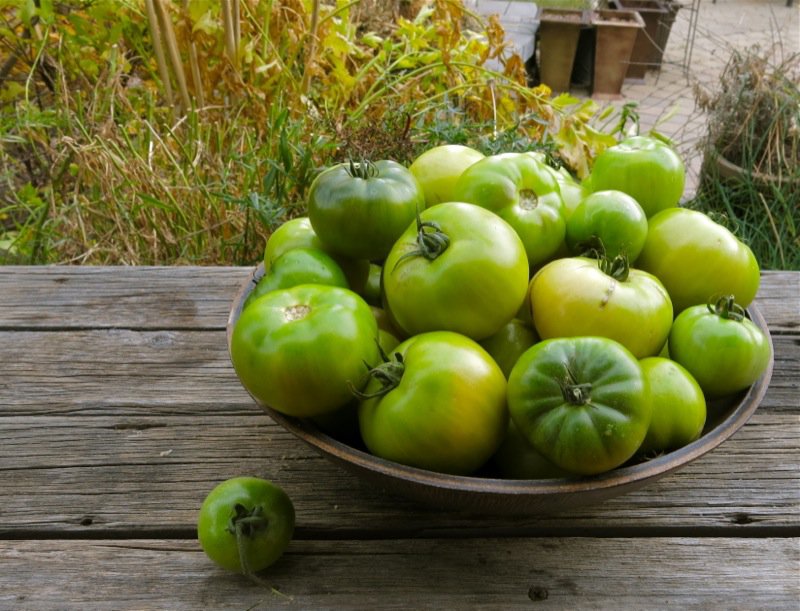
(88, 476)
(57, 297)
(569, 573)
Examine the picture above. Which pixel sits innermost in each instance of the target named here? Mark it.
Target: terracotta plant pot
(616, 36)
(645, 55)
(558, 39)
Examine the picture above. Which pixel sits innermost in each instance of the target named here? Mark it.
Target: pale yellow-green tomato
(438, 169)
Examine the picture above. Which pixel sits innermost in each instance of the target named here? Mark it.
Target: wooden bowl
(494, 495)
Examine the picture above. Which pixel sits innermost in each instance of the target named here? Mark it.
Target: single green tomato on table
(437, 403)
(302, 350)
(439, 168)
(645, 168)
(697, 259)
(723, 350)
(246, 519)
(611, 222)
(679, 406)
(581, 296)
(522, 191)
(359, 209)
(581, 402)
(459, 268)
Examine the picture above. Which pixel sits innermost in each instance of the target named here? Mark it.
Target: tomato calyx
(388, 374)
(362, 169)
(432, 241)
(727, 308)
(618, 268)
(245, 524)
(574, 393)
(528, 200)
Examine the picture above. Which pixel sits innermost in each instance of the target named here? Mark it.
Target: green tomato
(679, 407)
(246, 518)
(508, 344)
(460, 268)
(302, 350)
(722, 349)
(517, 459)
(697, 259)
(360, 209)
(298, 233)
(439, 404)
(372, 288)
(609, 220)
(299, 266)
(572, 191)
(439, 168)
(645, 168)
(581, 402)
(580, 296)
(521, 190)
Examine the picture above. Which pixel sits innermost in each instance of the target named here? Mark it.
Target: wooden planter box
(616, 36)
(646, 54)
(557, 41)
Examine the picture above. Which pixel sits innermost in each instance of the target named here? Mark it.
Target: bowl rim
(308, 432)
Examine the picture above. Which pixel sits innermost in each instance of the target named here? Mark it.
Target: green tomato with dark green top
(438, 403)
(302, 350)
(522, 191)
(723, 349)
(359, 209)
(581, 402)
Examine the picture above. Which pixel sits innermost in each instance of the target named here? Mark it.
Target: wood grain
(563, 573)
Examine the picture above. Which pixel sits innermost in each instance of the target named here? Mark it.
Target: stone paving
(666, 99)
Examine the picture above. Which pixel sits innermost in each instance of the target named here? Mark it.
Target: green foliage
(160, 132)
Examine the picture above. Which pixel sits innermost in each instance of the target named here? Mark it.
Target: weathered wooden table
(119, 411)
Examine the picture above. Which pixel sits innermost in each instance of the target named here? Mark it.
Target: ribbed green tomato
(246, 518)
(697, 259)
(679, 407)
(360, 209)
(438, 404)
(520, 189)
(460, 268)
(581, 402)
(302, 350)
(581, 296)
(722, 349)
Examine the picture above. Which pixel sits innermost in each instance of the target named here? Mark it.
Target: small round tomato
(508, 344)
(460, 268)
(645, 168)
(581, 296)
(517, 459)
(520, 189)
(581, 402)
(298, 233)
(439, 168)
(301, 350)
(359, 209)
(722, 349)
(439, 403)
(246, 519)
(697, 259)
(299, 266)
(609, 221)
(372, 288)
(679, 407)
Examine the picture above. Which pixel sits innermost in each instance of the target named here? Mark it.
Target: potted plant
(646, 54)
(557, 42)
(751, 151)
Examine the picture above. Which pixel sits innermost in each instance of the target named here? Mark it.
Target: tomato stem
(362, 169)
(389, 373)
(244, 525)
(726, 307)
(618, 268)
(574, 393)
(432, 241)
